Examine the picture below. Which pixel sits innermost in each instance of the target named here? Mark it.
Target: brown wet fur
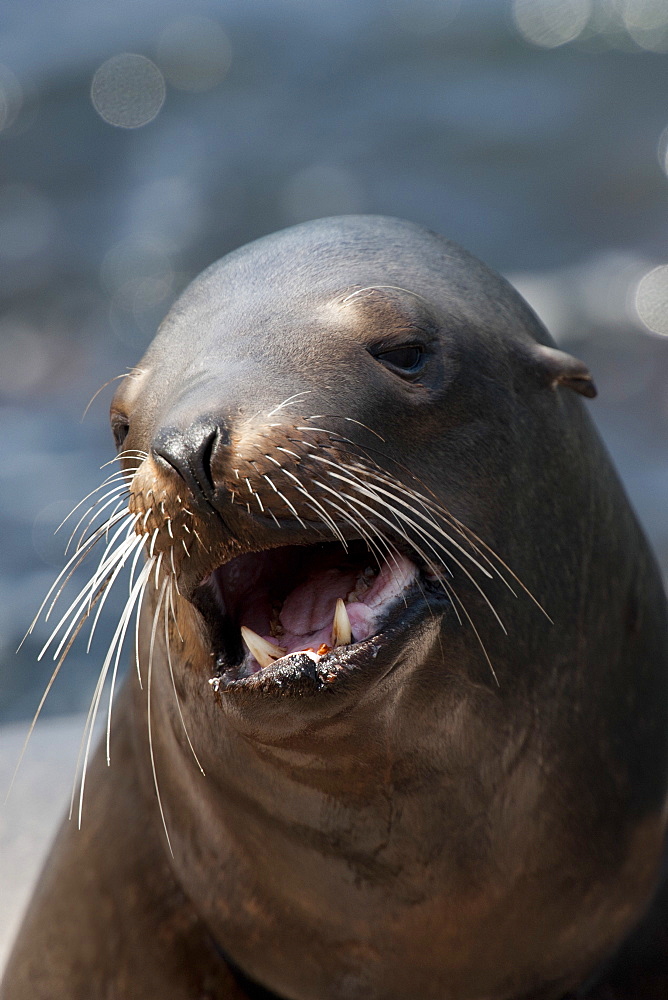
(420, 828)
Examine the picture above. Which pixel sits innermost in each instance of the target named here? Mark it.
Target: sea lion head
(372, 506)
(322, 414)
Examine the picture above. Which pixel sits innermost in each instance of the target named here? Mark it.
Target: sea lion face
(312, 412)
(357, 469)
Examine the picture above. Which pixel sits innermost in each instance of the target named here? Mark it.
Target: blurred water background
(141, 140)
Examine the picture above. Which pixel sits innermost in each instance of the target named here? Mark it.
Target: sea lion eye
(406, 360)
(120, 428)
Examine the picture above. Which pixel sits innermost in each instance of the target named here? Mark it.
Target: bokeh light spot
(647, 23)
(194, 53)
(11, 97)
(662, 150)
(651, 300)
(128, 90)
(550, 23)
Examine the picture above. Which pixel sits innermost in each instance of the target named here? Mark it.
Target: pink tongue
(310, 607)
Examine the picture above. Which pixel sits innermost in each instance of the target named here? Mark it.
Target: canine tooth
(341, 631)
(263, 651)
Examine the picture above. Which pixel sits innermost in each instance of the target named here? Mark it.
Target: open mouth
(310, 608)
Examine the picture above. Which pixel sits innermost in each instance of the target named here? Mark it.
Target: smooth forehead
(331, 270)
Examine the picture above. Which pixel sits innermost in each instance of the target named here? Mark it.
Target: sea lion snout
(189, 449)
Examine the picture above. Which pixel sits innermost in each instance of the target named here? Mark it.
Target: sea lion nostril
(189, 452)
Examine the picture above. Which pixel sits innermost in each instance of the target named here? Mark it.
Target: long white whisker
(148, 714)
(119, 647)
(367, 489)
(118, 554)
(329, 522)
(171, 674)
(174, 618)
(92, 712)
(70, 567)
(45, 694)
(120, 474)
(119, 492)
(127, 546)
(427, 538)
(433, 510)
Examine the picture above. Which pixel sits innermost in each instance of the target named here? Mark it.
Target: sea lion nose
(189, 450)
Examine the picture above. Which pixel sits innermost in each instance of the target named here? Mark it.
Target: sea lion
(402, 723)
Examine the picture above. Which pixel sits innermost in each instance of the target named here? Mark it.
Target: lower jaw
(305, 673)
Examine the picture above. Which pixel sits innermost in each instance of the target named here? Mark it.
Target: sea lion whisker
(330, 523)
(462, 528)
(148, 714)
(119, 485)
(171, 603)
(126, 523)
(119, 498)
(466, 530)
(154, 538)
(114, 646)
(101, 530)
(95, 395)
(392, 548)
(77, 559)
(128, 546)
(47, 689)
(373, 540)
(133, 569)
(340, 416)
(67, 571)
(171, 674)
(82, 597)
(287, 451)
(376, 532)
(119, 648)
(432, 508)
(431, 542)
(285, 501)
(374, 288)
(289, 400)
(477, 635)
(132, 453)
(362, 487)
(421, 552)
(381, 535)
(430, 511)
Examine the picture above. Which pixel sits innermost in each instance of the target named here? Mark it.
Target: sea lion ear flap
(558, 368)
